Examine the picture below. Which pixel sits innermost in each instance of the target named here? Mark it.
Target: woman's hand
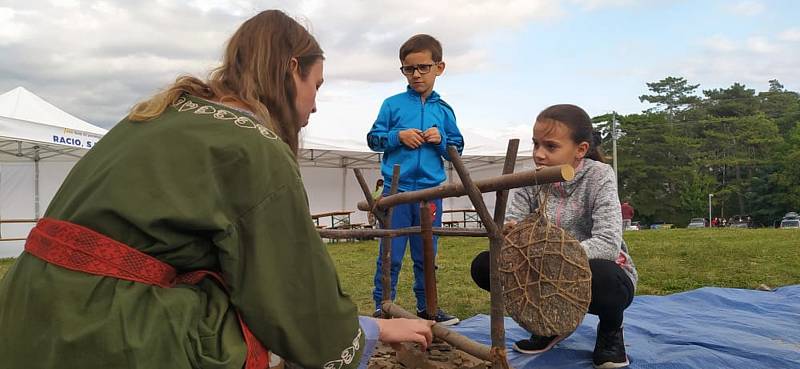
(399, 330)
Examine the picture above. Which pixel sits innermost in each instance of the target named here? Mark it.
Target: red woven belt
(81, 249)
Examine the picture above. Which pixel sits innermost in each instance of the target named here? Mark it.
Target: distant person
(375, 195)
(627, 214)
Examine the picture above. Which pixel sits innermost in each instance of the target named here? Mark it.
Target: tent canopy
(347, 148)
(39, 144)
(33, 129)
(328, 153)
(28, 123)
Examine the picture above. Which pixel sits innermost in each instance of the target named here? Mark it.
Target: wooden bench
(451, 223)
(349, 226)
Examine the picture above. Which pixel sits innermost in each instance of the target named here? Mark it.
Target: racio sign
(76, 138)
(72, 142)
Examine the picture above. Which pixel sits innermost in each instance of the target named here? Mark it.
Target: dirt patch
(439, 355)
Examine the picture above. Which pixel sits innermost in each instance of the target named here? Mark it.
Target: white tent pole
(344, 183)
(36, 182)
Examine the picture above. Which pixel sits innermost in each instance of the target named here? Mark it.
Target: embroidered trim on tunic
(348, 354)
(183, 104)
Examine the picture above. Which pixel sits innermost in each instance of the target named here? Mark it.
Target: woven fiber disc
(547, 282)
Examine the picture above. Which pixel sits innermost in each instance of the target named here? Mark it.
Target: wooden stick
(368, 195)
(386, 256)
(474, 193)
(465, 344)
(428, 257)
(508, 168)
(495, 238)
(495, 245)
(499, 183)
(19, 221)
(369, 233)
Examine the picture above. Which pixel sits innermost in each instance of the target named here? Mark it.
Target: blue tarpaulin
(707, 328)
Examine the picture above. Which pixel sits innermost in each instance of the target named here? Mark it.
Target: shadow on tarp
(707, 328)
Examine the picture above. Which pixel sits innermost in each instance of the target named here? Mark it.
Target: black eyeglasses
(422, 68)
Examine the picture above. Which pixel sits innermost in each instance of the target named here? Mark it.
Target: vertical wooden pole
(386, 256)
(429, 259)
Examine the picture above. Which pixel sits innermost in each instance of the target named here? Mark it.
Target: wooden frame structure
(382, 209)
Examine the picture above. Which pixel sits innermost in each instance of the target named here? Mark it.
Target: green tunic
(201, 187)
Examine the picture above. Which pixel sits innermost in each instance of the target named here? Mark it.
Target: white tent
(39, 144)
(327, 160)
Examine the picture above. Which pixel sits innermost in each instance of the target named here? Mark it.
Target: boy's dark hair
(579, 123)
(420, 43)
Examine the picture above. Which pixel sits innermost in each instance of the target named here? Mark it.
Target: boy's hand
(411, 137)
(432, 136)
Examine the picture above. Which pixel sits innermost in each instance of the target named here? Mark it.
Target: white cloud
(720, 43)
(362, 42)
(761, 45)
(752, 60)
(12, 30)
(746, 8)
(95, 58)
(791, 35)
(594, 4)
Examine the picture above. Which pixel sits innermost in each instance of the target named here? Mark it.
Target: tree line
(740, 145)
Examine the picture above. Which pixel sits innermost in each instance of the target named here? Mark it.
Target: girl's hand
(399, 330)
(411, 137)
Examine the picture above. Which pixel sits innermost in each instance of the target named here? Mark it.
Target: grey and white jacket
(587, 207)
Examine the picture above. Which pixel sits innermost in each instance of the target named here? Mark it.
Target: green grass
(4, 265)
(355, 264)
(678, 260)
(669, 261)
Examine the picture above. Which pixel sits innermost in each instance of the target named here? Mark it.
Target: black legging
(612, 290)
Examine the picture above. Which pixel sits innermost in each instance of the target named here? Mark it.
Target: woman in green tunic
(202, 176)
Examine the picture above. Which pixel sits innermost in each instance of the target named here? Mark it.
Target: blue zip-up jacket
(422, 167)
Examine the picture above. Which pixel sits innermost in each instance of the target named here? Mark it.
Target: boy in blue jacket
(413, 129)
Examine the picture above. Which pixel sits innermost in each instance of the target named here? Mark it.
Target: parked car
(790, 220)
(790, 223)
(697, 223)
(740, 221)
(660, 225)
(635, 226)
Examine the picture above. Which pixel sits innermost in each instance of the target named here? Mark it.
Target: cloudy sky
(506, 60)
